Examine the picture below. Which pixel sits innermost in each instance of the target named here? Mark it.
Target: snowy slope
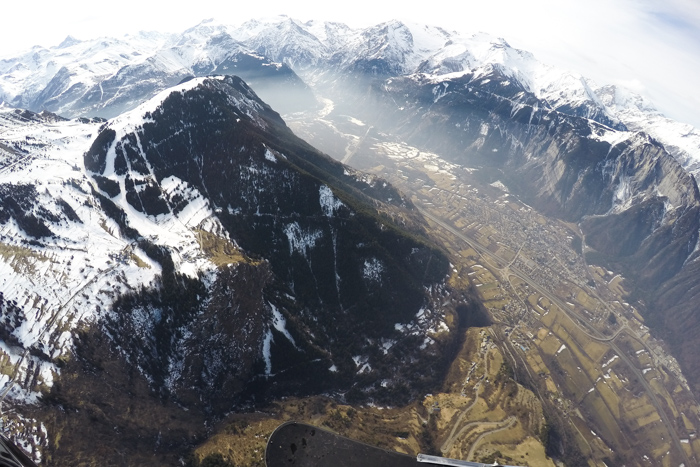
(106, 76)
(481, 53)
(72, 67)
(283, 38)
(69, 277)
(62, 280)
(681, 139)
(175, 231)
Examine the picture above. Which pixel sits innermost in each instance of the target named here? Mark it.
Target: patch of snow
(329, 203)
(356, 121)
(499, 184)
(269, 156)
(615, 357)
(387, 345)
(267, 354)
(299, 240)
(279, 323)
(372, 270)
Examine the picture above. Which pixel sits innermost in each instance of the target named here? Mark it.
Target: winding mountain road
(449, 442)
(500, 426)
(458, 430)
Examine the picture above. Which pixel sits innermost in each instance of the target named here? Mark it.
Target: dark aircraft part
(301, 445)
(12, 456)
(435, 460)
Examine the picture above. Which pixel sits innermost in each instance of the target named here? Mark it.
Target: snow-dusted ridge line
(130, 121)
(443, 55)
(81, 66)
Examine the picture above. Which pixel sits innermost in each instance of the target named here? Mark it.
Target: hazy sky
(651, 46)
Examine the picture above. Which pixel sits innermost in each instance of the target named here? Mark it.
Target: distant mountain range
(104, 77)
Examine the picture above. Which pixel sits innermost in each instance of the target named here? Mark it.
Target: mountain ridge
(406, 48)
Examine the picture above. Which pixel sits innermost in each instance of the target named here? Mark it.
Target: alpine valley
(439, 245)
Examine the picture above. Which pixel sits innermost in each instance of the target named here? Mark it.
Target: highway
(351, 150)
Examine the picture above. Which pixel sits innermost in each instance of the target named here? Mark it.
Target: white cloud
(633, 85)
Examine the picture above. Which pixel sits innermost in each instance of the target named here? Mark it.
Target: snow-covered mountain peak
(207, 27)
(392, 47)
(107, 76)
(67, 42)
(332, 34)
(133, 119)
(301, 44)
(468, 53)
(384, 37)
(682, 140)
(427, 38)
(481, 54)
(620, 98)
(284, 40)
(253, 27)
(210, 41)
(43, 73)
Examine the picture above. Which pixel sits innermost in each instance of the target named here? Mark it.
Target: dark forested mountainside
(334, 276)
